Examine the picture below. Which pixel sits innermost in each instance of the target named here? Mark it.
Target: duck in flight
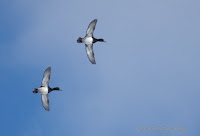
(45, 89)
(89, 40)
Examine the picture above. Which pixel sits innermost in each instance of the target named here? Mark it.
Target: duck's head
(79, 40)
(57, 88)
(54, 89)
(103, 40)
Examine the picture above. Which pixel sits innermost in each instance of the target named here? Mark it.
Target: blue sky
(147, 74)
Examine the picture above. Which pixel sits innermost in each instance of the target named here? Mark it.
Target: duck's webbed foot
(35, 90)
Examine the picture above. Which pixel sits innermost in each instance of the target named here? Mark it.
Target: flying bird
(45, 89)
(89, 40)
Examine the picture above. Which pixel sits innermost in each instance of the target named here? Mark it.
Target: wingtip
(47, 109)
(49, 68)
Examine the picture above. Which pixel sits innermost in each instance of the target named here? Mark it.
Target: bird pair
(88, 40)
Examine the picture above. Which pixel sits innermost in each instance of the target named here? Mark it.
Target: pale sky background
(147, 74)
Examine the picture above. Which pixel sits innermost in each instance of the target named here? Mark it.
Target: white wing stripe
(46, 77)
(90, 53)
(45, 101)
(91, 28)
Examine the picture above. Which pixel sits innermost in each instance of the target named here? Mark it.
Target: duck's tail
(35, 90)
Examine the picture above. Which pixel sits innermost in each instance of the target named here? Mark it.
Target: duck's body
(42, 90)
(45, 89)
(89, 40)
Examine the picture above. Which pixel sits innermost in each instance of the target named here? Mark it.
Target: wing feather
(46, 77)
(91, 28)
(90, 53)
(45, 101)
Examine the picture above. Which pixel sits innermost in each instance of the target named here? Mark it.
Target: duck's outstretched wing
(46, 77)
(91, 28)
(90, 53)
(45, 101)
